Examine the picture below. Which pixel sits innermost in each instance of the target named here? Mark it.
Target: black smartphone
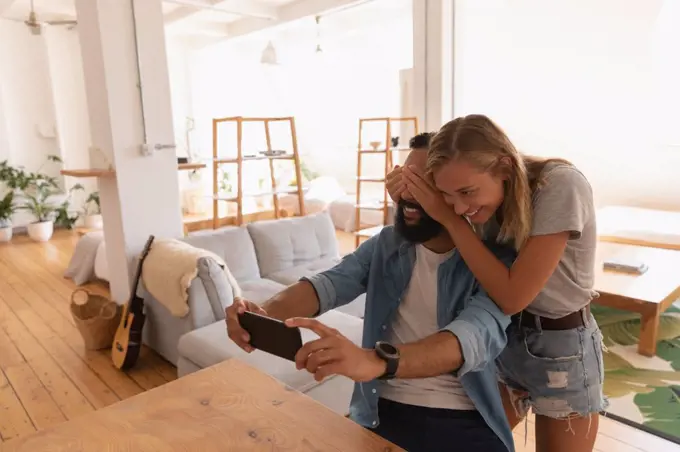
(271, 335)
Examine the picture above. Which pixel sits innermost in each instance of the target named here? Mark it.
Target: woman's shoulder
(560, 175)
(563, 171)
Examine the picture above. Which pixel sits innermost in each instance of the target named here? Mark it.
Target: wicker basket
(96, 317)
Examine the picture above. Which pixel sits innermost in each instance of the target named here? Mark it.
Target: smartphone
(271, 335)
(623, 264)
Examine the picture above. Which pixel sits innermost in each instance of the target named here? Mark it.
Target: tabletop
(229, 406)
(659, 284)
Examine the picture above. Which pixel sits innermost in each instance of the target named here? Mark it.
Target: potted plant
(38, 202)
(7, 209)
(66, 217)
(93, 212)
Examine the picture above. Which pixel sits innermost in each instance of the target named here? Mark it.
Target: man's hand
(334, 354)
(236, 333)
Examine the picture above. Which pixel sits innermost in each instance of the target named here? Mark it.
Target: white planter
(94, 222)
(6, 234)
(41, 232)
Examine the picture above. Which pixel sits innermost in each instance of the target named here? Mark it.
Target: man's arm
(467, 344)
(470, 342)
(298, 300)
(314, 295)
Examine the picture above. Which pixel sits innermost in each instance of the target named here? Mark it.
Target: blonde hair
(479, 141)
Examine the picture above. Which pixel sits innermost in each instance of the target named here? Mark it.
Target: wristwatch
(390, 354)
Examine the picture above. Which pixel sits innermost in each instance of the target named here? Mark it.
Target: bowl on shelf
(375, 144)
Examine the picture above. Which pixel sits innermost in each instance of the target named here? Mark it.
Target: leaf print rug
(643, 392)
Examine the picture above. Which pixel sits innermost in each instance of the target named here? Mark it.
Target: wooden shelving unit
(240, 159)
(387, 152)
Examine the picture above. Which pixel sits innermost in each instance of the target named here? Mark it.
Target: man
(426, 378)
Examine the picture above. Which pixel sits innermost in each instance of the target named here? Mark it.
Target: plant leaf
(661, 409)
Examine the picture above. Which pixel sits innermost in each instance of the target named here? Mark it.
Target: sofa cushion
(291, 242)
(210, 345)
(292, 275)
(233, 244)
(260, 290)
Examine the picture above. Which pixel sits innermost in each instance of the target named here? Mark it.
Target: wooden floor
(47, 376)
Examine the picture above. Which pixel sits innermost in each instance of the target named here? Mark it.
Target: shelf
(232, 197)
(401, 119)
(373, 206)
(382, 151)
(258, 157)
(369, 232)
(92, 172)
(251, 119)
(370, 179)
(190, 166)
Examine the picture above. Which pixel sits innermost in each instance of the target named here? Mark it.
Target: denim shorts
(557, 373)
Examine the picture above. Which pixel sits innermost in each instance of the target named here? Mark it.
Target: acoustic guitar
(128, 340)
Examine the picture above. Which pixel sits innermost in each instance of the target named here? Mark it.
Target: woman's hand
(429, 198)
(395, 183)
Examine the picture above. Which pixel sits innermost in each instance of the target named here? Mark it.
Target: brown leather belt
(568, 322)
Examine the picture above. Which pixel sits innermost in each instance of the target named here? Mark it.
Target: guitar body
(127, 342)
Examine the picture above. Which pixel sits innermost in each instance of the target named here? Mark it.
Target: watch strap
(391, 361)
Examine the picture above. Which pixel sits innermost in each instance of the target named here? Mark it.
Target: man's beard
(426, 228)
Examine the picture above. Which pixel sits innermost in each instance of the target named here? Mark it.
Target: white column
(433, 23)
(143, 197)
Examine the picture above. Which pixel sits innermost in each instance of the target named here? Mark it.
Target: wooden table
(227, 407)
(649, 294)
(639, 226)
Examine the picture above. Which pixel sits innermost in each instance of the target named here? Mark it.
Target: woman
(545, 208)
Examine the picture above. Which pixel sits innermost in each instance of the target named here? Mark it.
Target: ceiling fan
(36, 26)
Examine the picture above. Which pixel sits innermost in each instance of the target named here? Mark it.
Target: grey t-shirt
(564, 202)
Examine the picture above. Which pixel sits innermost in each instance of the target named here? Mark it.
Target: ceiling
(214, 18)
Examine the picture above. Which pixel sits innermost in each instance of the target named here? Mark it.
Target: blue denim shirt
(381, 267)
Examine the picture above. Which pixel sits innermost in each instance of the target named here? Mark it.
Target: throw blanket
(169, 269)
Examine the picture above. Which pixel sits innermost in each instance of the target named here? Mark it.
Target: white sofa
(264, 257)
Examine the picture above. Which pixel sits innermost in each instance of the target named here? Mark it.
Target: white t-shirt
(416, 318)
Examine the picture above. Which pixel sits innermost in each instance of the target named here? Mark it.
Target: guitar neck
(140, 264)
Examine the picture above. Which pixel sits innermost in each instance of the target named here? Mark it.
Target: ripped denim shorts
(557, 373)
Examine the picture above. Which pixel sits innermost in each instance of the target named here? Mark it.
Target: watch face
(388, 349)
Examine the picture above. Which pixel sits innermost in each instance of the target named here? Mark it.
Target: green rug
(643, 392)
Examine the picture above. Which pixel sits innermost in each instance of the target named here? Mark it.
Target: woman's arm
(515, 288)
(559, 214)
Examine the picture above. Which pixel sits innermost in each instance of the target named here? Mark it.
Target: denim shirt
(381, 267)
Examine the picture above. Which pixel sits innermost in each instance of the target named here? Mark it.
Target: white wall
(70, 102)
(4, 137)
(27, 96)
(43, 103)
(27, 102)
(595, 82)
(180, 53)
